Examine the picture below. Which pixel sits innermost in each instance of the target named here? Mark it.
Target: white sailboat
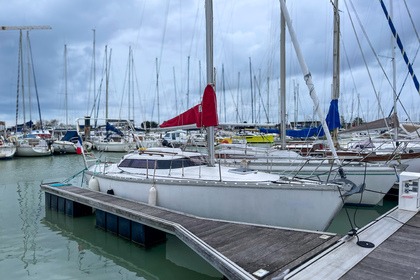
(7, 148)
(29, 143)
(377, 178)
(195, 184)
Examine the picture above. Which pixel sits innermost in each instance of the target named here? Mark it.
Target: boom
(25, 27)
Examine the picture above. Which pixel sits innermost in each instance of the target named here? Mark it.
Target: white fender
(94, 184)
(152, 196)
(87, 146)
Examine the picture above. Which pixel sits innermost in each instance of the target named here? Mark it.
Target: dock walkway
(237, 250)
(396, 255)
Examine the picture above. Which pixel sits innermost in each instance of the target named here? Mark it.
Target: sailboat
(195, 184)
(7, 148)
(68, 143)
(377, 178)
(29, 144)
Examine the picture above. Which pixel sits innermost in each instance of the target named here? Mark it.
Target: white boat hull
(32, 151)
(7, 152)
(64, 147)
(287, 205)
(115, 146)
(378, 179)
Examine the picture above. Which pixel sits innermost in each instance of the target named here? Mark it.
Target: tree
(357, 121)
(149, 124)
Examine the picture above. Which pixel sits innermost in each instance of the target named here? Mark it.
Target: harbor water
(36, 243)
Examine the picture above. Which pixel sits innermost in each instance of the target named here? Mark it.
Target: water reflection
(356, 217)
(97, 250)
(30, 211)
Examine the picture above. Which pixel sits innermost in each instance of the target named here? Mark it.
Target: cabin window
(163, 164)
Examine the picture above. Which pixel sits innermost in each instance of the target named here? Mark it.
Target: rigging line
(35, 85)
(348, 63)
(163, 35)
(97, 95)
(401, 47)
(125, 83)
(400, 91)
(261, 103)
(364, 60)
(138, 91)
(373, 50)
(194, 28)
(411, 19)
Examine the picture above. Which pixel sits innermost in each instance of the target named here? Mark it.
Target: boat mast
(20, 60)
(157, 89)
(308, 79)
(335, 94)
(188, 82)
(106, 83)
(65, 86)
(210, 76)
(394, 79)
(282, 81)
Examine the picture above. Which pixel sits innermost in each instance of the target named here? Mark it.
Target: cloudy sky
(168, 37)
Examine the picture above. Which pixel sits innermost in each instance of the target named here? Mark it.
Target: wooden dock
(237, 250)
(396, 255)
(244, 251)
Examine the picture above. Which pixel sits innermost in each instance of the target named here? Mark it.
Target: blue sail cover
(110, 127)
(297, 133)
(305, 132)
(332, 119)
(70, 135)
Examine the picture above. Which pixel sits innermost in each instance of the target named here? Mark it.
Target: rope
(401, 47)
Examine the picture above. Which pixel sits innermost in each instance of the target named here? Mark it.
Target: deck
(245, 251)
(396, 254)
(237, 250)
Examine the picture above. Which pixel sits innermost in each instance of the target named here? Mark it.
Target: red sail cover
(204, 114)
(188, 117)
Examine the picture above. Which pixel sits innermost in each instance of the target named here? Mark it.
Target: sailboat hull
(302, 206)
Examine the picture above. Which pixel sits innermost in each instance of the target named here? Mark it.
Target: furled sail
(202, 115)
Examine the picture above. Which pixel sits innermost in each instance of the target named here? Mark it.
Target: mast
(19, 79)
(282, 81)
(28, 59)
(94, 65)
(308, 79)
(157, 89)
(188, 83)
(176, 97)
(335, 94)
(268, 99)
(20, 62)
(224, 91)
(210, 78)
(252, 94)
(394, 79)
(237, 98)
(65, 85)
(106, 82)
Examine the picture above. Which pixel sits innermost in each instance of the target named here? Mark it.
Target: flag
(79, 147)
